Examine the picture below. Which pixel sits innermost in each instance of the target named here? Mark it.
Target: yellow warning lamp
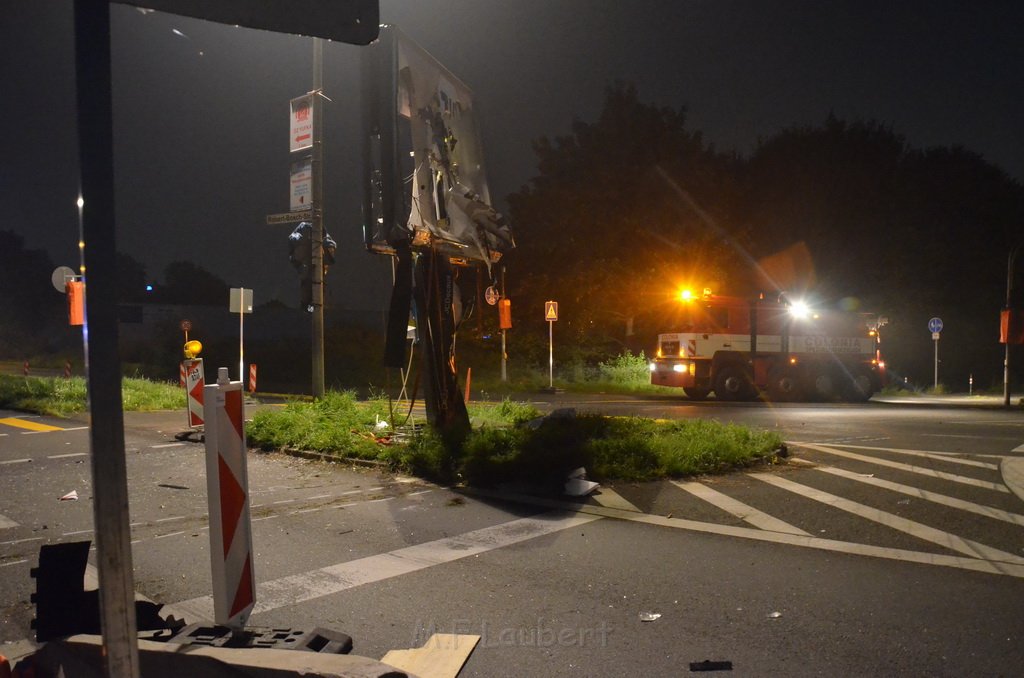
(685, 295)
(192, 349)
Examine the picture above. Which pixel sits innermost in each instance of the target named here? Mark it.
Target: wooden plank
(442, 656)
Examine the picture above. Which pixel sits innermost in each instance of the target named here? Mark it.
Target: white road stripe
(14, 461)
(321, 496)
(69, 455)
(911, 527)
(944, 456)
(416, 494)
(737, 508)
(6, 522)
(160, 447)
(998, 487)
(77, 532)
(608, 497)
(1019, 448)
(299, 588)
(20, 541)
(833, 545)
(14, 562)
(933, 497)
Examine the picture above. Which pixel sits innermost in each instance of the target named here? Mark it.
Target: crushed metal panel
(352, 21)
(422, 124)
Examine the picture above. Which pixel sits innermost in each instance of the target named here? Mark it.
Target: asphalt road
(889, 544)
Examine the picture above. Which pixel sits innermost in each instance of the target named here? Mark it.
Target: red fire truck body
(738, 348)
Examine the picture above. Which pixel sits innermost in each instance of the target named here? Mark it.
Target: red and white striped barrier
(181, 375)
(24, 368)
(227, 486)
(195, 381)
(252, 378)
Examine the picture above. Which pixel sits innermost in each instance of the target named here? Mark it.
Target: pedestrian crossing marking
(934, 497)
(30, 425)
(737, 508)
(6, 522)
(948, 540)
(907, 467)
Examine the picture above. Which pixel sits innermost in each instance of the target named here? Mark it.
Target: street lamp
(1009, 310)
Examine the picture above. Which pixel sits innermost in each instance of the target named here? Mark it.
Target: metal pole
(504, 370)
(935, 387)
(551, 355)
(1009, 300)
(241, 334)
(318, 220)
(103, 362)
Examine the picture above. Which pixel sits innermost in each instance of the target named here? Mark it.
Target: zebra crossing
(916, 505)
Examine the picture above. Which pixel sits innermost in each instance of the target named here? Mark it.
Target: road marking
(167, 520)
(320, 496)
(309, 510)
(283, 501)
(737, 508)
(1019, 448)
(416, 494)
(6, 522)
(332, 579)
(69, 455)
(72, 534)
(961, 435)
(160, 447)
(933, 497)
(608, 497)
(169, 534)
(912, 469)
(14, 461)
(833, 545)
(20, 541)
(14, 562)
(944, 456)
(911, 527)
(30, 425)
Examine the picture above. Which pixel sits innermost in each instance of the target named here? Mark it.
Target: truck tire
(822, 384)
(860, 387)
(733, 383)
(784, 386)
(694, 393)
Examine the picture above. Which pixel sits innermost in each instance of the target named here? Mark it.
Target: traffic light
(300, 253)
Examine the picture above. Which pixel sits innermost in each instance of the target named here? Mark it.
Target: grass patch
(610, 448)
(503, 448)
(61, 397)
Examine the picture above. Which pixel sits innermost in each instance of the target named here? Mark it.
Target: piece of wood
(442, 656)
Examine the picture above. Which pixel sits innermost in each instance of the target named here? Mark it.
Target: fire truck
(741, 349)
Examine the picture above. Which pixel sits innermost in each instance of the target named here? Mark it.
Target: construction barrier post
(195, 381)
(227, 485)
(252, 378)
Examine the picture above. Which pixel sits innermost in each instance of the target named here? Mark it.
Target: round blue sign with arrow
(935, 325)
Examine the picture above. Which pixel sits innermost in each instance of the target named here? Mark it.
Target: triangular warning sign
(551, 310)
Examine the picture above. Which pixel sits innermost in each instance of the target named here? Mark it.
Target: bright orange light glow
(685, 295)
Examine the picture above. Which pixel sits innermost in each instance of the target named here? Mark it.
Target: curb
(1012, 469)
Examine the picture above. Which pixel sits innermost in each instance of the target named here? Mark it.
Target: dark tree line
(627, 209)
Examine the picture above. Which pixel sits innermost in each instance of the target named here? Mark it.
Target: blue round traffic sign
(935, 325)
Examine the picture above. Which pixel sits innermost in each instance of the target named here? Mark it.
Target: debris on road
(577, 484)
(70, 496)
(649, 616)
(774, 615)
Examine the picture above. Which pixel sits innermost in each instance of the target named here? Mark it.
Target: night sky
(201, 151)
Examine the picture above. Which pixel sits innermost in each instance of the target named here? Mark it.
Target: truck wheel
(694, 393)
(860, 388)
(784, 386)
(733, 383)
(822, 385)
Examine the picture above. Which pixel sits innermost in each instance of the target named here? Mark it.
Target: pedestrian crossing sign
(550, 311)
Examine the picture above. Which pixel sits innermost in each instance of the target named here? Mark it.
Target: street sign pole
(318, 220)
(551, 354)
(551, 315)
(935, 327)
